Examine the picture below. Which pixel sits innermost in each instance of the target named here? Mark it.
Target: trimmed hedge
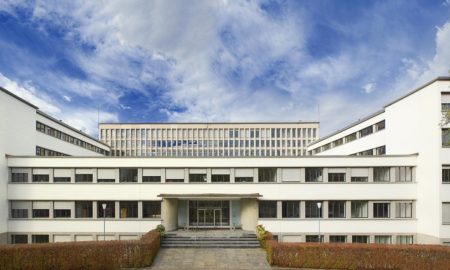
(82, 255)
(357, 256)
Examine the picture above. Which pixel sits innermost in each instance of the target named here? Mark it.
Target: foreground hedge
(357, 256)
(82, 255)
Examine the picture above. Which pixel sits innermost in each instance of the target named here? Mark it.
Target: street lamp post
(319, 205)
(104, 221)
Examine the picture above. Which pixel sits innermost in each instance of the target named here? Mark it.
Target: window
(359, 179)
(350, 137)
(445, 107)
(61, 179)
(403, 210)
(61, 213)
(365, 131)
(336, 177)
(128, 209)
(338, 239)
(360, 239)
(39, 238)
(314, 239)
(197, 178)
(267, 175)
(19, 239)
(381, 210)
(83, 178)
(19, 213)
(404, 239)
(381, 174)
(446, 175)
(110, 210)
(83, 209)
(383, 239)
(40, 178)
(312, 210)
(360, 209)
(445, 137)
(405, 174)
(379, 151)
(291, 209)
(174, 180)
(152, 179)
(313, 174)
(243, 179)
(19, 177)
(151, 209)
(267, 209)
(128, 175)
(380, 125)
(446, 212)
(338, 142)
(336, 209)
(41, 213)
(218, 178)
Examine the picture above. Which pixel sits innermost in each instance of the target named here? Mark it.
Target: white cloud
(369, 88)
(67, 98)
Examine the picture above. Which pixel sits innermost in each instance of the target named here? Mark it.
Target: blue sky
(155, 61)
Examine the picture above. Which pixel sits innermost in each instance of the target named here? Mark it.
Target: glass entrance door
(210, 214)
(209, 217)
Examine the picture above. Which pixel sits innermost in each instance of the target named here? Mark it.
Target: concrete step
(173, 240)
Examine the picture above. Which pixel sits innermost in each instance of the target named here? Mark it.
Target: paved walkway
(214, 258)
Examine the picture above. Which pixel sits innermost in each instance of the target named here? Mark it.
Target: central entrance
(209, 214)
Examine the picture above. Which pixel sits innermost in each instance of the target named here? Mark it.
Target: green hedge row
(82, 255)
(358, 256)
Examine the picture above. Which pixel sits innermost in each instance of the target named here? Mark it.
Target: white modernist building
(391, 194)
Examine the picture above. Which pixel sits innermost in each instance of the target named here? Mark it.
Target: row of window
(378, 151)
(41, 151)
(45, 238)
(364, 239)
(336, 209)
(68, 138)
(351, 137)
(265, 175)
(84, 209)
(161, 152)
(209, 133)
(208, 143)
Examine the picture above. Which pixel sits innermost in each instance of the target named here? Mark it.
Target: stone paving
(211, 258)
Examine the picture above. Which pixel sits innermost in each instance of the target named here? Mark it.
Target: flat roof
(442, 78)
(208, 123)
(17, 97)
(210, 195)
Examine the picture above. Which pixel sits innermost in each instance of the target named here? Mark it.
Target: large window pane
(128, 175)
(381, 210)
(336, 177)
(128, 209)
(291, 209)
(83, 178)
(19, 177)
(336, 209)
(360, 209)
(360, 239)
(219, 178)
(381, 174)
(403, 210)
(197, 178)
(151, 209)
(40, 178)
(338, 239)
(267, 175)
(110, 210)
(83, 209)
(267, 209)
(312, 209)
(313, 174)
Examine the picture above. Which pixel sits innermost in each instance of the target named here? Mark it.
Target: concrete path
(214, 258)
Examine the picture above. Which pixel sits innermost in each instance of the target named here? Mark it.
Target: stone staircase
(210, 239)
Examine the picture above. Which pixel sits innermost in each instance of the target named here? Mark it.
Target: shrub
(82, 255)
(358, 256)
(161, 229)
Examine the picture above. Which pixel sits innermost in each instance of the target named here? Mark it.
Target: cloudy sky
(158, 61)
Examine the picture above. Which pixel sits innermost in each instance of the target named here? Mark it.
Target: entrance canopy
(211, 196)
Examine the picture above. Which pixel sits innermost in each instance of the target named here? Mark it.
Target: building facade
(276, 139)
(397, 195)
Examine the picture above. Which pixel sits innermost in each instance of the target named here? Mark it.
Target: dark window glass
(446, 175)
(219, 178)
(314, 239)
(83, 178)
(128, 209)
(110, 210)
(40, 178)
(291, 209)
(366, 131)
(267, 175)
(83, 209)
(360, 239)
(40, 238)
(197, 178)
(381, 174)
(267, 209)
(105, 180)
(128, 175)
(19, 177)
(41, 213)
(336, 177)
(338, 239)
(151, 209)
(445, 137)
(61, 213)
(19, 213)
(19, 239)
(381, 210)
(359, 179)
(243, 179)
(336, 209)
(174, 180)
(61, 179)
(350, 137)
(313, 174)
(380, 125)
(152, 179)
(312, 210)
(379, 151)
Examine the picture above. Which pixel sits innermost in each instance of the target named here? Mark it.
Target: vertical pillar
(140, 213)
(186, 174)
(94, 210)
(117, 175)
(348, 209)
(117, 209)
(348, 175)
(370, 212)
(279, 175)
(302, 175)
(370, 177)
(94, 175)
(232, 175)
(208, 175)
(302, 209)
(279, 209)
(325, 175)
(139, 175)
(255, 175)
(163, 175)
(325, 209)
(50, 175)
